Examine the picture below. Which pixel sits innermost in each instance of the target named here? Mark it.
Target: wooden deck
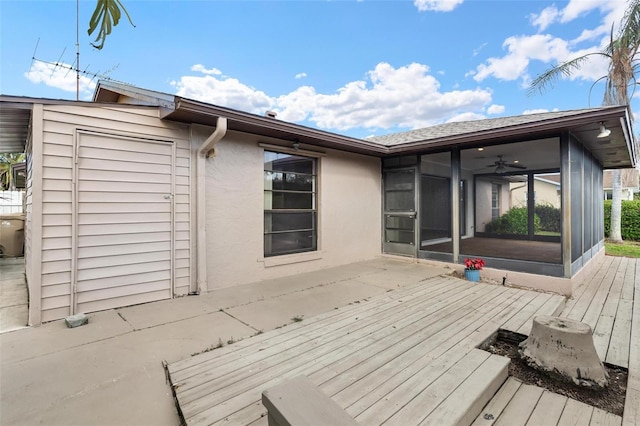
(609, 302)
(409, 356)
(520, 404)
(406, 357)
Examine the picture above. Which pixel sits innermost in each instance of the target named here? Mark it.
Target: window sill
(288, 259)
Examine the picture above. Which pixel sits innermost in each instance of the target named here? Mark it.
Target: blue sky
(358, 68)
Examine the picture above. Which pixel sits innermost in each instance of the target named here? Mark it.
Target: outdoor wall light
(604, 132)
(296, 145)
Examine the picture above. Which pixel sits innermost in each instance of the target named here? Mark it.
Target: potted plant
(472, 268)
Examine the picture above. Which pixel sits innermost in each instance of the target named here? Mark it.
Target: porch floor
(534, 251)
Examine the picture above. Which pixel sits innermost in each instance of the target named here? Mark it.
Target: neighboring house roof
(629, 179)
(617, 152)
(551, 181)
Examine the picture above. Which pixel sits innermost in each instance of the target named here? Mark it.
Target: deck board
(519, 409)
(575, 413)
(498, 403)
(632, 402)
(579, 302)
(548, 410)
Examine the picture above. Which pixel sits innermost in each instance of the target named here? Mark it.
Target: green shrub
(550, 217)
(513, 222)
(629, 221)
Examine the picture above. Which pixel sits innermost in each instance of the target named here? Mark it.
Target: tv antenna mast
(75, 67)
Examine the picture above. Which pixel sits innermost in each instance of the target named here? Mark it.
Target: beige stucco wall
(349, 213)
(483, 200)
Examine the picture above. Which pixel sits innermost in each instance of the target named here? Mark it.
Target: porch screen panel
(575, 165)
(436, 222)
(399, 196)
(399, 190)
(435, 204)
(598, 193)
(588, 202)
(548, 207)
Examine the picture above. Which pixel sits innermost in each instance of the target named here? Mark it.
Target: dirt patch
(610, 399)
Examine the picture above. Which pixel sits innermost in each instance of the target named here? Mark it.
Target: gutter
(205, 150)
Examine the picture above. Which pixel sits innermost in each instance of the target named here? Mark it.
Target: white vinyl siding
(61, 125)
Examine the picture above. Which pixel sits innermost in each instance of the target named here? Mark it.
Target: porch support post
(565, 203)
(531, 206)
(455, 203)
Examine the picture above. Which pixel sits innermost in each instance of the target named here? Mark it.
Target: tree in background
(6, 163)
(620, 81)
(107, 15)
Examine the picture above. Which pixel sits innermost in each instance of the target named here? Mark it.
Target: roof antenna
(77, 50)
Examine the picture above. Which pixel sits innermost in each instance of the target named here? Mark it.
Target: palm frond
(107, 14)
(547, 79)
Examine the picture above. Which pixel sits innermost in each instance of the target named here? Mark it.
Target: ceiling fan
(501, 165)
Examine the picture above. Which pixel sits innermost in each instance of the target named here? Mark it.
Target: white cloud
(521, 50)
(403, 97)
(537, 111)
(612, 10)
(495, 109)
(301, 75)
(548, 16)
(204, 70)
(477, 50)
(549, 50)
(577, 8)
(223, 91)
(61, 76)
(466, 116)
(437, 5)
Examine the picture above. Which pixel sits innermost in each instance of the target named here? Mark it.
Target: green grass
(626, 249)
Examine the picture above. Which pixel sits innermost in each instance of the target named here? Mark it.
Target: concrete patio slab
(98, 377)
(278, 311)
(14, 299)
(53, 337)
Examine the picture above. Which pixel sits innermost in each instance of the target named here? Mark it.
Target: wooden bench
(298, 402)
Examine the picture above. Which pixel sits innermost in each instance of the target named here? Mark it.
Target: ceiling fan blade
(516, 166)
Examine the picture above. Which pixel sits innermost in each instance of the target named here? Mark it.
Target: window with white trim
(495, 201)
(290, 216)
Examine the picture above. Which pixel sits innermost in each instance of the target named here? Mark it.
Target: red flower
(474, 264)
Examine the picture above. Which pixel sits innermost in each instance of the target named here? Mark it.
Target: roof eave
(547, 127)
(266, 125)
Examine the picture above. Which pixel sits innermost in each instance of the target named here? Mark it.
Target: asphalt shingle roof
(466, 127)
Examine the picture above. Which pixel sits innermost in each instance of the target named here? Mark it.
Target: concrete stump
(564, 347)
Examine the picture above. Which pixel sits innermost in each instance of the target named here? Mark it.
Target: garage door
(124, 223)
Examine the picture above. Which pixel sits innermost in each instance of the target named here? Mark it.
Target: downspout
(205, 150)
